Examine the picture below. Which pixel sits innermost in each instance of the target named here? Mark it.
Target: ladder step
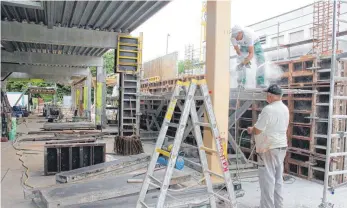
(318, 169)
(206, 149)
(203, 124)
(173, 125)
(221, 197)
(344, 79)
(183, 97)
(314, 67)
(323, 70)
(340, 97)
(163, 152)
(337, 154)
(215, 174)
(340, 116)
(155, 179)
(338, 172)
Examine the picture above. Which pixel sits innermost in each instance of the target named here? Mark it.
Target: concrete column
(217, 73)
(87, 96)
(73, 97)
(100, 101)
(55, 95)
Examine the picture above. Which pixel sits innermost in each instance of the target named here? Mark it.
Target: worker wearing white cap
(271, 145)
(245, 40)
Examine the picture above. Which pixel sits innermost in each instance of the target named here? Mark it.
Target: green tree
(180, 67)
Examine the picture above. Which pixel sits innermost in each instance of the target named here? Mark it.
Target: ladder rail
(219, 144)
(176, 144)
(159, 143)
(204, 165)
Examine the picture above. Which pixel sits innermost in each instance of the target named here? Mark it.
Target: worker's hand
(250, 130)
(246, 61)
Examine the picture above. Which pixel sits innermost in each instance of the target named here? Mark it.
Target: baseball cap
(274, 89)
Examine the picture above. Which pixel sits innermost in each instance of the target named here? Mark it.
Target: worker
(245, 40)
(271, 146)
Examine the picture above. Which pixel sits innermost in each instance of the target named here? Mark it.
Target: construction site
(85, 122)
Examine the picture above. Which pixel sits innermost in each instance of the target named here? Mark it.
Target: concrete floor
(300, 193)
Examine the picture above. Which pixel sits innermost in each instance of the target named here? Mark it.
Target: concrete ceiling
(61, 33)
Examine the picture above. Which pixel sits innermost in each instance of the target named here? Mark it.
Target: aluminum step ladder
(189, 89)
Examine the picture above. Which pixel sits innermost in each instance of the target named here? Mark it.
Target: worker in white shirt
(271, 144)
(245, 40)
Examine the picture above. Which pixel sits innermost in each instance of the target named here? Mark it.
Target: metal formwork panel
(129, 105)
(128, 64)
(70, 156)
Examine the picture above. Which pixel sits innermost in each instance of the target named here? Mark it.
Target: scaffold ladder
(337, 122)
(189, 90)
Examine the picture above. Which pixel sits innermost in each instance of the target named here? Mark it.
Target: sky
(182, 20)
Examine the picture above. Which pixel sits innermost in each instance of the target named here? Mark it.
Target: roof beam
(50, 59)
(44, 70)
(32, 33)
(19, 76)
(24, 4)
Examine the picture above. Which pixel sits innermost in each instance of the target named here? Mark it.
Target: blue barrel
(179, 162)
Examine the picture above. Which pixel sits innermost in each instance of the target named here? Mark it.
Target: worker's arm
(237, 49)
(253, 130)
(236, 46)
(261, 124)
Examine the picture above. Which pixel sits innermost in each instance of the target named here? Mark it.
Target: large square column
(217, 73)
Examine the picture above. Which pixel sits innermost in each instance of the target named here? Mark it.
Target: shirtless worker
(245, 40)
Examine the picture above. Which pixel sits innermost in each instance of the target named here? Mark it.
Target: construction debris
(128, 145)
(95, 190)
(123, 165)
(69, 126)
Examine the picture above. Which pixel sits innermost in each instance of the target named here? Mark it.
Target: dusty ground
(300, 193)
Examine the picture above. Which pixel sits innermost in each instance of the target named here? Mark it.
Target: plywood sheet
(165, 67)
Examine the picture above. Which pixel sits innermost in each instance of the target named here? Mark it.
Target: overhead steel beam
(50, 59)
(24, 4)
(44, 70)
(32, 33)
(19, 76)
(50, 14)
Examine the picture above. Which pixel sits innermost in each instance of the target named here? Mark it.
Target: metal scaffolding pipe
(331, 101)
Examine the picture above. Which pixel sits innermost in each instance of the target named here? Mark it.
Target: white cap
(235, 30)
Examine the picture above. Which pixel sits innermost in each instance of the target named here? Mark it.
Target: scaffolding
(335, 172)
(322, 26)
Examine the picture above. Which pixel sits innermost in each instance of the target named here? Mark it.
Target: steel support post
(55, 94)
(331, 109)
(100, 101)
(217, 75)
